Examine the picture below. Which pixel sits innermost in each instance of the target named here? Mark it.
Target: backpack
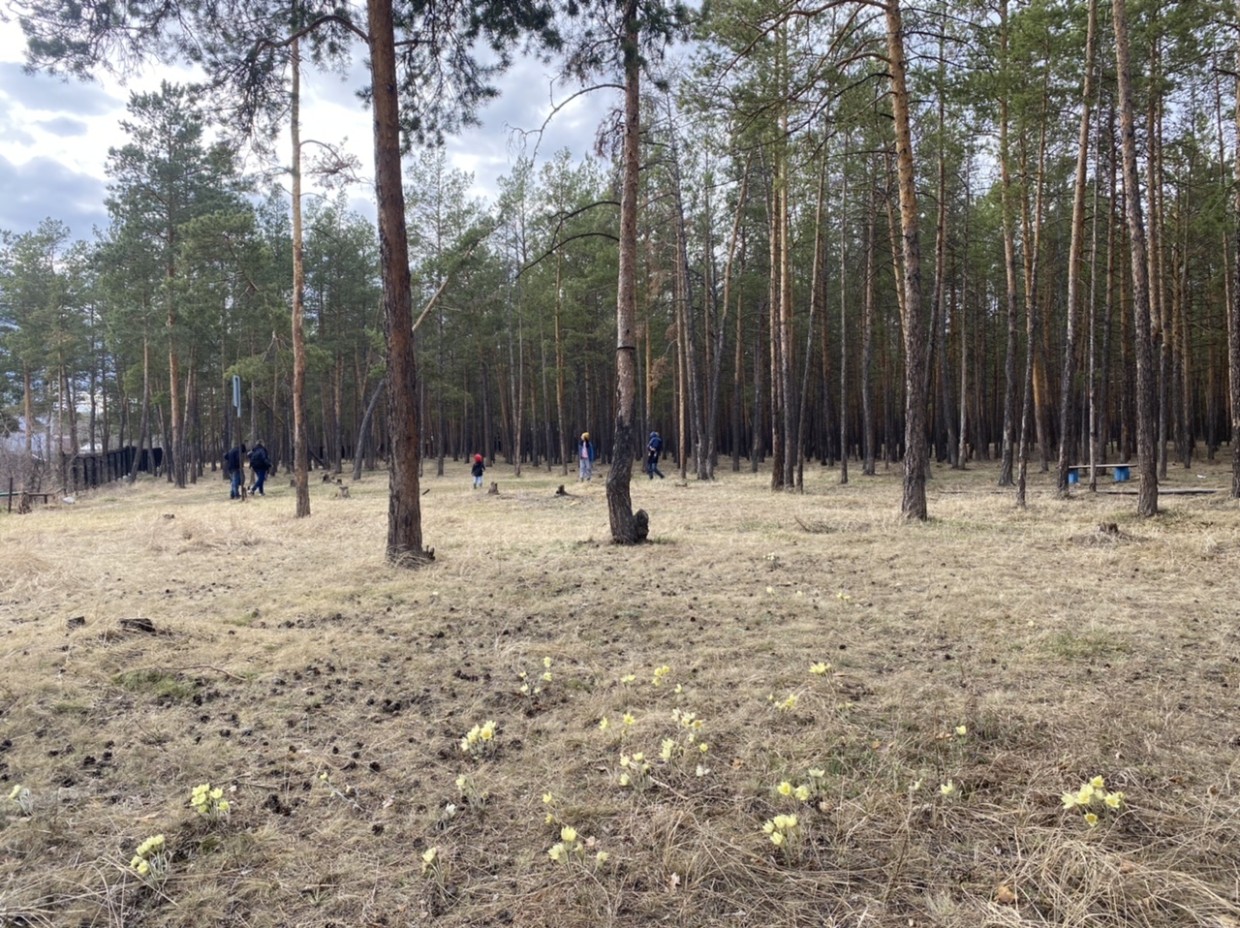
(259, 459)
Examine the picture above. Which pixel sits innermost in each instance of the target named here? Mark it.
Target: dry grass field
(903, 707)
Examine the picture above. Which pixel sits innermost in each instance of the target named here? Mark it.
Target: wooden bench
(1121, 472)
(24, 499)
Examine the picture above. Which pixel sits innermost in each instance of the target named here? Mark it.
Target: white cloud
(55, 133)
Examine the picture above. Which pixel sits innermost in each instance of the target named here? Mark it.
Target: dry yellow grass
(327, 693)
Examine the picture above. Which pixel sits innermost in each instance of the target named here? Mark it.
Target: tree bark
(1075, 249)
(301, 460)
(1009, 265)
(1233, 311)
(626, 527)
(1147, 421)
(913, 500)
(404, 536)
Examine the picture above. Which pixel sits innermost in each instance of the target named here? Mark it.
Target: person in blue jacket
(234, 467)
(652, 456)
(585, 458)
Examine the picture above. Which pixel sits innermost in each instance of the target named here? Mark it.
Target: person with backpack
(234, 467)
(260, 463)
(652, 456)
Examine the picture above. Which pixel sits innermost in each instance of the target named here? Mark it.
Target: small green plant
(479, 741)
(474, 796)
(435, 870)
(346, 794)
(23, 799)
(150, 860)
(1092, 797)
(209, 802)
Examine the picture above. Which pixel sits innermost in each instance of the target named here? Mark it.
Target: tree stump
(494, 491)
(641, 524)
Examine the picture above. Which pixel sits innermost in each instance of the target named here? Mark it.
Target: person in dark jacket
(234, 466)
(653, 449)
(477, 470)
(260, 463)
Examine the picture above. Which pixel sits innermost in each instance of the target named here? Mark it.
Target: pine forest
(862, 234)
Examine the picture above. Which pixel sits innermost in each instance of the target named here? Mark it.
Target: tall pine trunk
(404, 536)
(913, 500)
(627, 527)
(1147, 421)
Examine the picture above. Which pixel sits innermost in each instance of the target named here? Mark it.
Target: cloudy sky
(55, 134)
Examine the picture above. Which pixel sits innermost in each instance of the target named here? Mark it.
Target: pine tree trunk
(1009, 265)
(1147, 422)
(1076, 247)
(1233, 311)
(913, 500)
(626, 526)
(301, 458)
(404, 536)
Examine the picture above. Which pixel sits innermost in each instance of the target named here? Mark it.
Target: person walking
(260, 463)
(653, 449)
(585, 458)
(477, 471)
(234, 466)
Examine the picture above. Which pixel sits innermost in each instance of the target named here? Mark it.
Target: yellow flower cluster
(473, 795)
(786, 705)
(784, 832)
(480, 739)
(660, 674)
(570, 847)
(1091, 795)
(820, 669)
(209, 802)
(634, 770)
(20, 795)
(801, 793)
(532, 690)
(430, 859)
(150, 860)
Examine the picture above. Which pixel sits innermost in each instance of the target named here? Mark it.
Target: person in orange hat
(477, 470)
(585, 458)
